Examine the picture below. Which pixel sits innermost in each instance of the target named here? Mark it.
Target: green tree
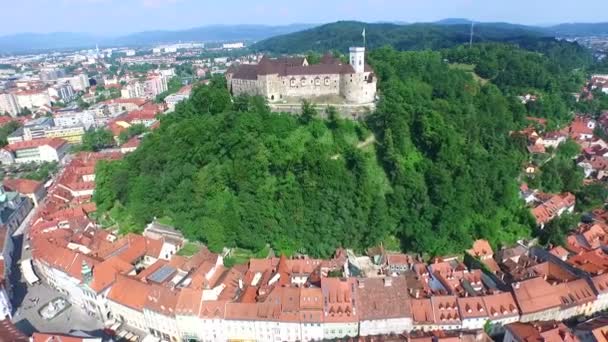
(6, 130)
(132, 131)
(308, 112)
(555, 231)
(97, 139)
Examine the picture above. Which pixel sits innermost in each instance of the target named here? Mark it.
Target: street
(27, 300)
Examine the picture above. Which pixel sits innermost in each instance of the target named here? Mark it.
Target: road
(27, 300)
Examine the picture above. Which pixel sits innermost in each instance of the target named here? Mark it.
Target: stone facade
(279, 80)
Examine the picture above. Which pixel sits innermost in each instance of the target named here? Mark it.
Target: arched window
(293, 82)
(317, 81)
(327, 81)
(303, 81)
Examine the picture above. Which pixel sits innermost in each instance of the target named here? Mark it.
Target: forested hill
(432, 169)
(341, 35)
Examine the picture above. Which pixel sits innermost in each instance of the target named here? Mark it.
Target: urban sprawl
(61, 262)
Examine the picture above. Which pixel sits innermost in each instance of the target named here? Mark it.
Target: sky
(115, 17)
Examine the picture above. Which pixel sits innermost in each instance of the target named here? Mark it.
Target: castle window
(326, 81)
(293, 82)
(317, 81)
(303, 81)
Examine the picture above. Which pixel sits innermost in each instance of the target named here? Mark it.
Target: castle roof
(292, 66)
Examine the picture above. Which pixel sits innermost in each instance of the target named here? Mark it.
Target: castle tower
(357, 59)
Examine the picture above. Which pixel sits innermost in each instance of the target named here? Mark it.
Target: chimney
(388, 281)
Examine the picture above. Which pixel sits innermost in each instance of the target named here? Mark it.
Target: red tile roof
(539, 332)
(481, 248)
(129, 292)
(55, 143)
(23, 186)
(104, 274)
(549, 209)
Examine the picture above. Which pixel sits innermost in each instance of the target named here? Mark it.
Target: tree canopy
(440, 170)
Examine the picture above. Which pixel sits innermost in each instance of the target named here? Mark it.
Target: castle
(282, 79)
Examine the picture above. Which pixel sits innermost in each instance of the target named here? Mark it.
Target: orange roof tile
(23, 186)
(21, 145)
(129, 292)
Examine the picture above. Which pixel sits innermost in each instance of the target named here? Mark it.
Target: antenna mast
(472, 32)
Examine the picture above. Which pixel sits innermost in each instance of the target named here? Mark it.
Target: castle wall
(245, 87)
(346, 111)
(357, 89)
(277, 88)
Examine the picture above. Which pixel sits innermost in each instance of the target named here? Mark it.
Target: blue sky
(125, 16)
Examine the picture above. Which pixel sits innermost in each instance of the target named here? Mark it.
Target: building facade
(288, 78)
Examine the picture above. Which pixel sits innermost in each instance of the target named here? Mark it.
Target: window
(317, 81)
(293, 82)
(303, 81)
(326, 83)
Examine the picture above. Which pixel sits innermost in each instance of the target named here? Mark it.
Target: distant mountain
(29, 42)
(579, 29)
(341, 35)
(210, 34)
(453, 21)
(303, 37)
(24, 42)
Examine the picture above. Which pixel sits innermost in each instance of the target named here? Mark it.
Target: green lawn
(470, 68)
(189, 249)
(166, 220)
(239, 256)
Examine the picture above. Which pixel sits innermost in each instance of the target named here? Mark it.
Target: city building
(284, 78)
(38, 150)
(71, 118)
(134, 89)
(51, 74)
(9, 104)
(230, 46)
(32, 189)
(78, 82)
(73, 135)
(32, 99)
(543, 331)
(155, 85)
(13, 209)
(64, 91)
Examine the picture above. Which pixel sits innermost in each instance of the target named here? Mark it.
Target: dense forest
(431, 169)
(344, 34)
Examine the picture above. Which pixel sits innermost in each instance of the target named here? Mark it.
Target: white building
(238, 45)
(33, 98)
(174, 99)
(9, 104)
(133, 90)
(126, 301)
(38, 150)
(159, 313)
(384, 306)
(63, 91)
(155, 85)
(75, 118)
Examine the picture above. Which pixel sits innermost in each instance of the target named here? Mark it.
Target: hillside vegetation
(442, 171)
(344, 34)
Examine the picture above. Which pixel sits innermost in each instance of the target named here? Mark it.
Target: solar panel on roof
(162, 274)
